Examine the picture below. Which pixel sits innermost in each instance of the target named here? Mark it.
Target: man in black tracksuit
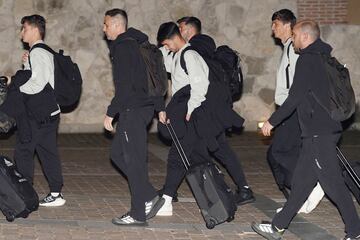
(135, 109)
(318, 160)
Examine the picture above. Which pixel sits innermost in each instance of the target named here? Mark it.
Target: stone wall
(76, 26)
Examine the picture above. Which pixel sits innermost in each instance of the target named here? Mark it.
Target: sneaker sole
(53, 204)
(164, 214)
(264, 234)
(145, 224)
(155, 209)
(246, 202)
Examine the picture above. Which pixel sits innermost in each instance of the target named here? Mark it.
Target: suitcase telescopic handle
(348, 167)
(178, 146)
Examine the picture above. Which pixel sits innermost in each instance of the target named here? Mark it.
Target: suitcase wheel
(211, 223)
(10, 218)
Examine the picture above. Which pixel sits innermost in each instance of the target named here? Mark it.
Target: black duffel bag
(6, 122)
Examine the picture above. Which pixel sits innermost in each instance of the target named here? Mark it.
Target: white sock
(55, 194)
(167, 198)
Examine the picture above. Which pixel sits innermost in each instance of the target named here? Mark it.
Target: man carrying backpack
(190, 29)
(309, 96)
(42, 112)
(284, 150)
(135, 109)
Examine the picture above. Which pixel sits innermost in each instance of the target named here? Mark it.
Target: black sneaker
(267, 231)
(244, 196)
(152, 207)
(52, 201)
(127, 220)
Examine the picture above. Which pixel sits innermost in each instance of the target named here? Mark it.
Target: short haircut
(285, 16)
(310, 27)
(118, 13)
(36, 21)
(167, 31)
(193, 21)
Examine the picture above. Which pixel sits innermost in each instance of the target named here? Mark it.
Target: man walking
(188, 92)
(135, 109)
(320, 133)
(284, 150)
(190, 29)
(42, 111)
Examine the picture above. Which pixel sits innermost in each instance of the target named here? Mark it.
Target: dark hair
(117, 11)
(36, 21)
(166, 31)
(285, 16)
(193, 21)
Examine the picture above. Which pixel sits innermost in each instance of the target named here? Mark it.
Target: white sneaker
(167, 208)
(52, 201)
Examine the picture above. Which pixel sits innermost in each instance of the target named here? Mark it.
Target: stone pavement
(96, 192)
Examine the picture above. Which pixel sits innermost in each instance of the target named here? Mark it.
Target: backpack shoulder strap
(182, 59)
(288, 65)
(288, 50)
(43, 46)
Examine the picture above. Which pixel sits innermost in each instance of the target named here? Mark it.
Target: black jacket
(204, 45)
(310, 79)
(129, 72)
(218, 114)
(37, 106)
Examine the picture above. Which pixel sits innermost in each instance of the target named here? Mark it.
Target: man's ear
(305, 36)
(288, 26)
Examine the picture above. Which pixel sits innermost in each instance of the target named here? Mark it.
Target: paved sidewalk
(96, 192)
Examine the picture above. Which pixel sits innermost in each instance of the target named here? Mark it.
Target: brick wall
(323, 11)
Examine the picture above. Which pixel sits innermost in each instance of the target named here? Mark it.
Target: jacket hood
(133, 33)
(204, 45)
(318, 46)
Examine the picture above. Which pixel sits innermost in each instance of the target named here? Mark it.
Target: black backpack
(156, 73)
(67, 77)
(342, 96)
(218, 78)
(230, 61)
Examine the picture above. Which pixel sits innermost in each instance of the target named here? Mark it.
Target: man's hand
(25, 57)
(8, 80)
(266, 129)
(108, 123)
(162, 117)
(5, 80)
(188, 116)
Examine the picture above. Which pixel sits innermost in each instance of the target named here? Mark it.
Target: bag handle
(348, 167)
(178, 146)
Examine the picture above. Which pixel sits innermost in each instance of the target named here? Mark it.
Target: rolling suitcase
(213, 196)
(351, 175)
(17, 196)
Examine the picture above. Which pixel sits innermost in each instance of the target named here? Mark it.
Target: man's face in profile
(279, 28)
(296, 39)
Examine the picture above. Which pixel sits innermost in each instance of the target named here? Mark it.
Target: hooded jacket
(310, 80)
(204, 45)
(129, 72)
(218, 99)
